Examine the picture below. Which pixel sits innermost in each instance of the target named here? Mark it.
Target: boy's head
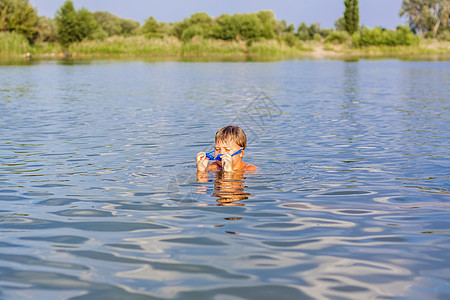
(232, 134)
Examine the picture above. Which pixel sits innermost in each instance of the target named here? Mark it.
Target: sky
(373, 13)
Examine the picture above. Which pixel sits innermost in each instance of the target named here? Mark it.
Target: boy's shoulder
(250, 168)
(216, 167)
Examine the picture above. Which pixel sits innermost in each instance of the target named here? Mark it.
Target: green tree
(249, 26)
(108, 22)
(151, 27)
(18, 16)
(339, 25)
(129, 27)
(179, 27)
(302, 32)
(414, 9)
(290, 28)
(86, 23)
(3, 22)
(47, 30)
(282, 27)
(198, 24)
(351, 16)
(165, 28)
(201, 18)
(74, 26)
(226, 28)
(314, 29)
(269, 23)
(66, 19)
(442, 15)
(313, 32)
(426, 15)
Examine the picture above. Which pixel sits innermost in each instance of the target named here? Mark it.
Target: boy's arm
(202, 161)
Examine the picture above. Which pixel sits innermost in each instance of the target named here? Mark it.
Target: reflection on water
(228, 187)
(100, 197)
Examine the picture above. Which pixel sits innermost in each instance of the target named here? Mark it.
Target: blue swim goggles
(210, 155)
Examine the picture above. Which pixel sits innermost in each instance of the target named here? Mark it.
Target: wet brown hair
(232, 133)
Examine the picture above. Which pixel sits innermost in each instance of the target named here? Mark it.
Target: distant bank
(208, 48)
(14, 46)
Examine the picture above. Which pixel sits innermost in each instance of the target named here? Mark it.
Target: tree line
(427, 18)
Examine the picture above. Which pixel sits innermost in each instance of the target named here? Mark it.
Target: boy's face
(228, 147)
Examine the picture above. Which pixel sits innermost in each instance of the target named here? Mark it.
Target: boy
(229, 149)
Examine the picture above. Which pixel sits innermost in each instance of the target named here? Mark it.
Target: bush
(404, 36)
(338, 36)
(444, 35)
(191, 31)
(99, 34)
(384, 37)
(291, 40)
(356, 39)
(317, 37)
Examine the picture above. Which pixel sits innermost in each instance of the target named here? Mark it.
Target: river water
(100, 199)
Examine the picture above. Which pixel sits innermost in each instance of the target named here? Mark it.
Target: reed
(275, 48)
(13, 44)
(171, 46)
(50, 49)
(429, 47)
(133, 45)
(210, 47)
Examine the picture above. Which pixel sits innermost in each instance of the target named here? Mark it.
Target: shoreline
(233, 51)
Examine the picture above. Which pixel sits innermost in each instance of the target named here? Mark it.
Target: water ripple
(101, 198)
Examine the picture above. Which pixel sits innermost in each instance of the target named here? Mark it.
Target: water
(100, 198)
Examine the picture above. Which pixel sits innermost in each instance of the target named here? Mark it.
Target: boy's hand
(202, 161)
(226, 163)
